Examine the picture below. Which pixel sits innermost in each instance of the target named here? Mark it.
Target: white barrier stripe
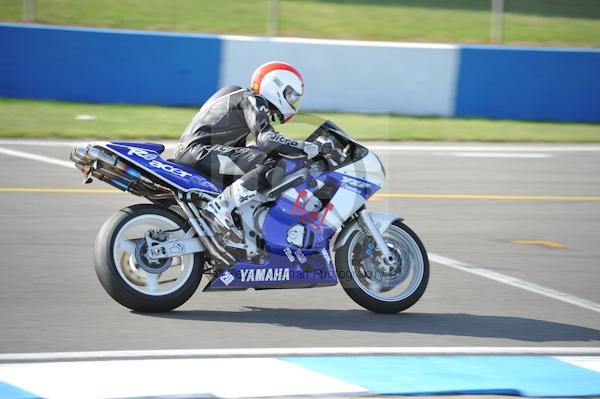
(587, 362)
(341, 42)
(37, 157)
(223, 378)
(518, 283)
(276, 352)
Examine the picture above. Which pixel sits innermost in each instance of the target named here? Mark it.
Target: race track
(468, 203)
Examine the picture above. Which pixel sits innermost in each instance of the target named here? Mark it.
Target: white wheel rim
(411, 257)
(137, 278)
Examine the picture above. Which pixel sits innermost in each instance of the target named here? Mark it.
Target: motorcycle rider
(215, 140)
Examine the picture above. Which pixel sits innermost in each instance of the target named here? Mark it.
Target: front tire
(119, 270)
(372, 286)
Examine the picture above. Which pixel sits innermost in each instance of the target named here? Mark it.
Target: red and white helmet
(280, 84)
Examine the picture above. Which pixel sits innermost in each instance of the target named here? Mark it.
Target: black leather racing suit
(214, 142)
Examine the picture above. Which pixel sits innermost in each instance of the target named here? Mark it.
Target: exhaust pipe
(84, 159)
(77, 154)
(88, 155)
(104, 167)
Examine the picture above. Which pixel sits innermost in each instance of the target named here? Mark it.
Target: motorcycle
(310, 230)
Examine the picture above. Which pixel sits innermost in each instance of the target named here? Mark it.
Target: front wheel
(132, 279)
(371, 283)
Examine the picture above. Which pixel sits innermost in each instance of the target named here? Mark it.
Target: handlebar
(327, 149)
(338, 155)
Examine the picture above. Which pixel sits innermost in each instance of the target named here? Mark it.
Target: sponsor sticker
(227, 278)
(151, 157)
(306, 216)
(325, 254)
(169, 168)
(275, 274)
(288, 252)
(148, 156)
(355, 185)
(300, 256)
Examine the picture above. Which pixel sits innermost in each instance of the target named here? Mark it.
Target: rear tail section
(139, 169)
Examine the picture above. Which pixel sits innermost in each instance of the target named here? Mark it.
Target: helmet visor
(292, 97)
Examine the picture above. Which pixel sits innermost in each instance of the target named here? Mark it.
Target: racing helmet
(281, 85)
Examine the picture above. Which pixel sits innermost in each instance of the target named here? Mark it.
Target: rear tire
(355, 284)
(123, 279)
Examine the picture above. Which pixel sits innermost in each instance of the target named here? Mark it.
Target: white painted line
(43, 143)
(277, 352)
(587, 362)
(501, 155)
(378, 146)
(37, 157)
(257, 377)
(518, 283)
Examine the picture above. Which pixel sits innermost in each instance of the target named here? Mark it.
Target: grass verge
(27, 118)
(546, 22)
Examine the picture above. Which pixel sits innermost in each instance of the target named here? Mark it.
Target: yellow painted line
(543, 243)
(376, 197)
(493, 197)
(57, 190)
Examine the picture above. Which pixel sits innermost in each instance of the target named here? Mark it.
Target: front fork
(370, 229)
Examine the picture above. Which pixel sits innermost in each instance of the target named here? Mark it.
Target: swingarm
(173, 247)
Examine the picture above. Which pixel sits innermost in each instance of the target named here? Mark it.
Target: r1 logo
(142, 154)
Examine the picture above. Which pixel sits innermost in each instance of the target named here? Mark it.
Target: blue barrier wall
(100, 65)
(525, 83)
(106, 65)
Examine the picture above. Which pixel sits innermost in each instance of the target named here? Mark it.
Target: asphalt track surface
(50, 299)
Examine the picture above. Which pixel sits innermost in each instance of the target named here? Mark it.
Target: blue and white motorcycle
(151, 257)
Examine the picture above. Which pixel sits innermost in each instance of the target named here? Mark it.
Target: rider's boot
(218, 211)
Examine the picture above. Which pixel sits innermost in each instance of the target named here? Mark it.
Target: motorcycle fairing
(293, 207)
(300, 268)
(147, 157)
(357, 185)
(289, 265)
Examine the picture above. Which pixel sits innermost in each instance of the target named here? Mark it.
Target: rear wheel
(132, 279)
(371, 283)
